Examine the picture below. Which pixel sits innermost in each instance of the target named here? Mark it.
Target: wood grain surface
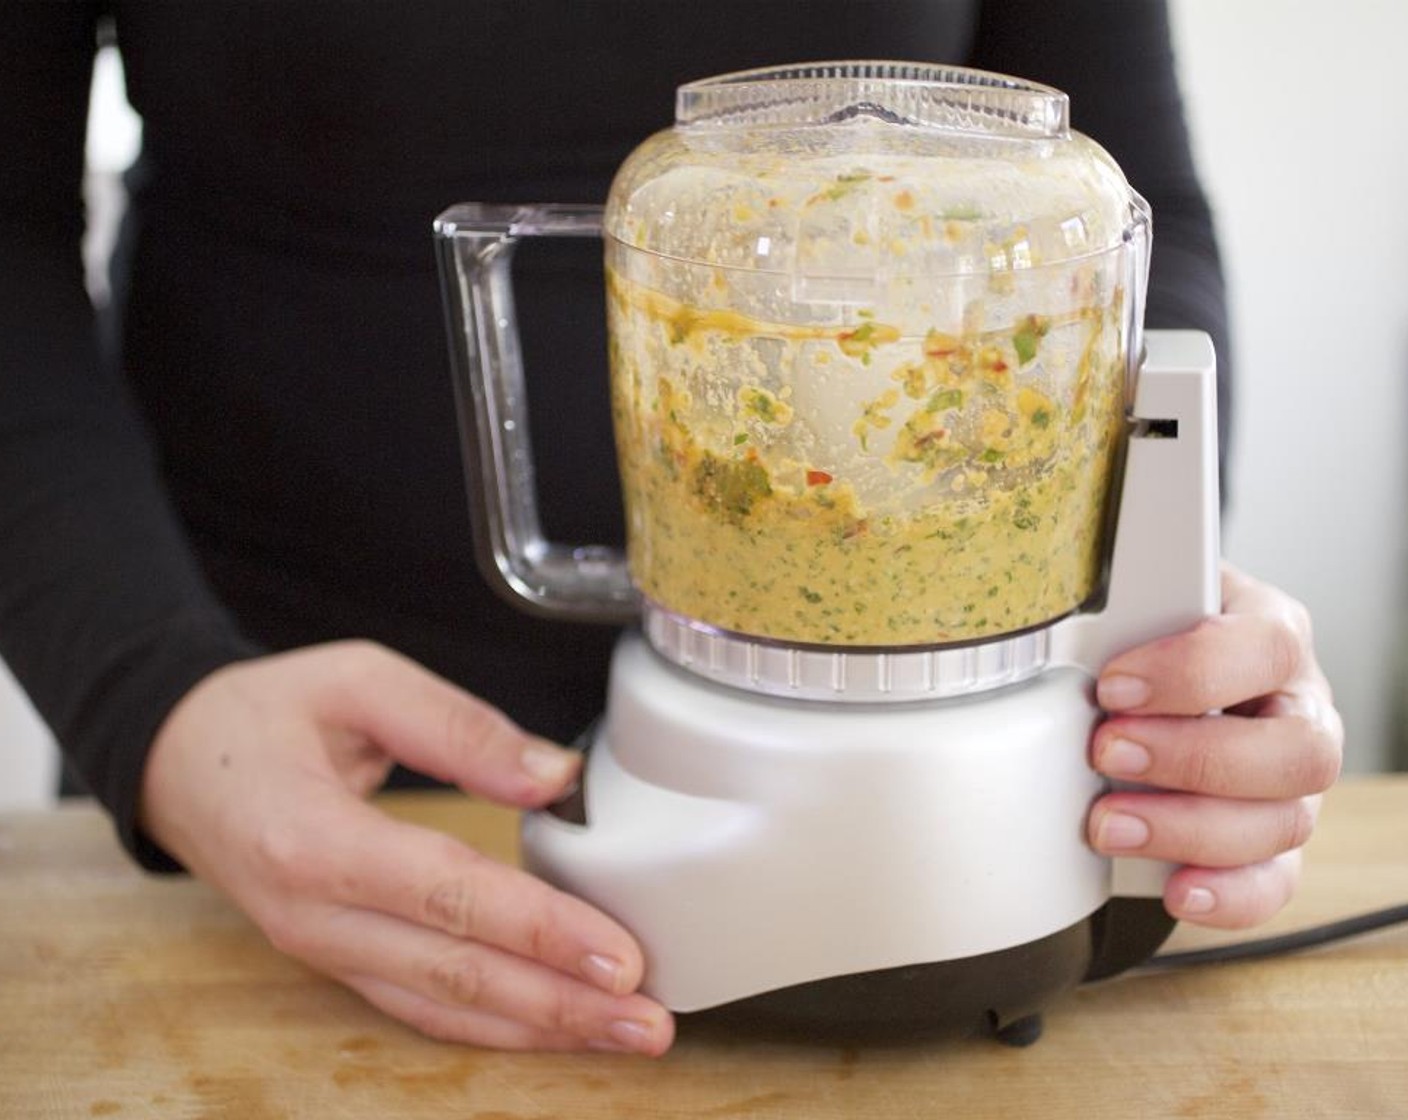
(123, 995)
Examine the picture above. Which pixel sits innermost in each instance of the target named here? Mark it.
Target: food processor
(901, 472)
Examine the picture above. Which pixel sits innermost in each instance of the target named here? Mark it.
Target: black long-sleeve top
(256, 449)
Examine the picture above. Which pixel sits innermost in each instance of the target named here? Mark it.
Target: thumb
(429, 725)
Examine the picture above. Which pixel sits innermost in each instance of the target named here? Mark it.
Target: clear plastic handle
(1138, 237)
(474, 246)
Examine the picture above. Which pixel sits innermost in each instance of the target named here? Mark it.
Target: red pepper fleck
(817, 478)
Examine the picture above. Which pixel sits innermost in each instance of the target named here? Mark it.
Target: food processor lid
(871, 169)
(904, 93)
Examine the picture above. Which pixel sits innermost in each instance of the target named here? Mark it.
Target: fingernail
(548, 764)
(1121, 758)
(1119, 691)
(632, 1034)
(1199, 900)
(605, 972)
(1119, 832)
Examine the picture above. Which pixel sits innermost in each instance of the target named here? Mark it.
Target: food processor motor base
(893, 867)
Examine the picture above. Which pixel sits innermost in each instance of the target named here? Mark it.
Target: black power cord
(1285, 943)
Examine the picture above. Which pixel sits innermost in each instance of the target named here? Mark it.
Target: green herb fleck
(733, 486)
(1025, 343)
(845, 184)
(763, 405)
(1031, 331)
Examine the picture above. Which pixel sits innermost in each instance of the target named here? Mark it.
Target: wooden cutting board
(123, 996)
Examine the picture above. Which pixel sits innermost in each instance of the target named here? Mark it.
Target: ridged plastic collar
(849, 675)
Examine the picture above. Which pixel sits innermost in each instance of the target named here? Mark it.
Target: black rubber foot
(1020, 1032)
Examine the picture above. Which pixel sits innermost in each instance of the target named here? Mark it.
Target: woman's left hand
(1237, 793)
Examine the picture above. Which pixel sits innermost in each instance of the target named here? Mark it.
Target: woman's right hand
(257, 782)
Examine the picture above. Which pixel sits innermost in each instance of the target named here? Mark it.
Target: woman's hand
(1243, 785)
(256, 783)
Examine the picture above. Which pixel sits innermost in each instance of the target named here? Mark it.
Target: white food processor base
(757, 844)
(754, 843)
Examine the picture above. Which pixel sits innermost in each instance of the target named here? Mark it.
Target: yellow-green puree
(1001, 478)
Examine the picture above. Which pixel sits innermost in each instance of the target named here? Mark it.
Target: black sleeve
(104, 616)
(1115, 60)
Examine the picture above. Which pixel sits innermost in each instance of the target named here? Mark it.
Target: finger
(1260, 644)
(1204, 831)
(469, 976)
(1308, 696)
(1233, 898)
(433, 727)
(354, 855)
(1273, 758)
(449, 1024)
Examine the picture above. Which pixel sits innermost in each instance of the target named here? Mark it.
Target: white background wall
(1296, 112)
